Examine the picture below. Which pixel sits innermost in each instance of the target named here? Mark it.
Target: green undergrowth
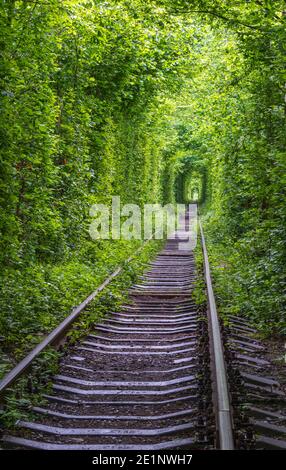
(246, 279)
(29, 389)
(34, 300)
(243, 284)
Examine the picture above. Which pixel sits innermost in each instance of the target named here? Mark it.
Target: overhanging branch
(220, 16)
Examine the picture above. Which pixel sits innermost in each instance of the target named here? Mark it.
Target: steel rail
(57, 335)
(222, 401)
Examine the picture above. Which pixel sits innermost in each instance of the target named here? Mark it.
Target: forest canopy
(154, 101)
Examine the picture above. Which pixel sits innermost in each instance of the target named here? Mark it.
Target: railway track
(161, 374)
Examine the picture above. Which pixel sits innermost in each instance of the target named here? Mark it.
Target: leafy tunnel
(191, 182)
(155, 102)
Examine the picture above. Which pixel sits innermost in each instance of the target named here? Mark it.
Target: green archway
(191, 181)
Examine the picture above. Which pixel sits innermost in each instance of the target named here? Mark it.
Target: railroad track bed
(134, 382)
(259, 397)
(142, 379)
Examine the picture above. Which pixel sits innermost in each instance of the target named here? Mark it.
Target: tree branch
(220, 16)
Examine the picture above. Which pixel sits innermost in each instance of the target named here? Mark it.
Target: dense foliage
(82, 108)
(150, 101)
(233, 134)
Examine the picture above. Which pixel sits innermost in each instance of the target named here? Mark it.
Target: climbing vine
(83, 88)
(233, 118)
(152, 101)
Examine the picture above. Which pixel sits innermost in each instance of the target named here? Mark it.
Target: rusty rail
(221, 395)
(56, 336)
